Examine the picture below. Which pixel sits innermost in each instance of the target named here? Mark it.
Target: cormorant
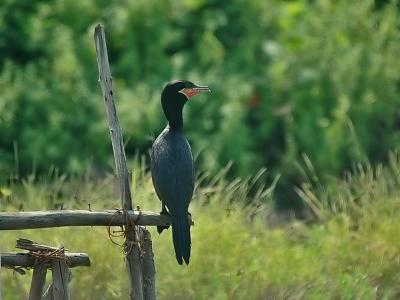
(172, 167)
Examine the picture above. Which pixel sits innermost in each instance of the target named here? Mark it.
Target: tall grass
(361, 191)
(350, 253)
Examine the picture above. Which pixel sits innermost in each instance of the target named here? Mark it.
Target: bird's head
(174, 96)
(182, 90)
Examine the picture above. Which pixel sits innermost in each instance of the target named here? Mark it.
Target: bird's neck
(174, 117)
(176, 126)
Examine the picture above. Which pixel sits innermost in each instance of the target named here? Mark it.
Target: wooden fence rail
(62, 218)
(25, 260)
(41, 258)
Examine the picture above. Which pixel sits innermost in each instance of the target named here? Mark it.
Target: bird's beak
(193, 91)
(201, 89)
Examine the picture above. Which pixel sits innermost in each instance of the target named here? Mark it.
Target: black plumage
(172, 166)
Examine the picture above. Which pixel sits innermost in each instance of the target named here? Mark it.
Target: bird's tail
(181, 238)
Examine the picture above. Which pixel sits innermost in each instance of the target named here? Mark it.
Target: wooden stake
(61, 279)
(48, 294)
(132, 258)
(147, 264)
(38, 281)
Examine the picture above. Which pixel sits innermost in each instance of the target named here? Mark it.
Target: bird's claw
(139, 210)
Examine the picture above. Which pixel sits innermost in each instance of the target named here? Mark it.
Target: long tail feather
(181, 238)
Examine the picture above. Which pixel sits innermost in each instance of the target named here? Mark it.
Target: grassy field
(349, 250)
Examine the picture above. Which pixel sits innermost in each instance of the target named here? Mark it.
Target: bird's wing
(173, 172)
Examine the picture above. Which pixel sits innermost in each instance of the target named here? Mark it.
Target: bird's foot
(161, 227)
(139, 210)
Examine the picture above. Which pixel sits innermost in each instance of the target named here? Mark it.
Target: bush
(288, 77)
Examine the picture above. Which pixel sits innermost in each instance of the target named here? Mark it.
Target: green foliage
(349, 254)
(363, 191)
(288, 77)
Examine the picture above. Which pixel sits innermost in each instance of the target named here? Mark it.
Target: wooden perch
(62, 218)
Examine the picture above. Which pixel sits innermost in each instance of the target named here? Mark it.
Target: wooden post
(132, 257)
(115, 131)
(147, 265)
(48, 294)
(61, 279)
(38, 281)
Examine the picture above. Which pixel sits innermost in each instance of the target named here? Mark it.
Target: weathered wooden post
(148, 268)
(132, 245)
(38, 280)
(61, 279)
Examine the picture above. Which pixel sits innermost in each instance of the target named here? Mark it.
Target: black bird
(172, 167)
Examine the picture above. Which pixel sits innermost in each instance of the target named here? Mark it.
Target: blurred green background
(289, 78)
